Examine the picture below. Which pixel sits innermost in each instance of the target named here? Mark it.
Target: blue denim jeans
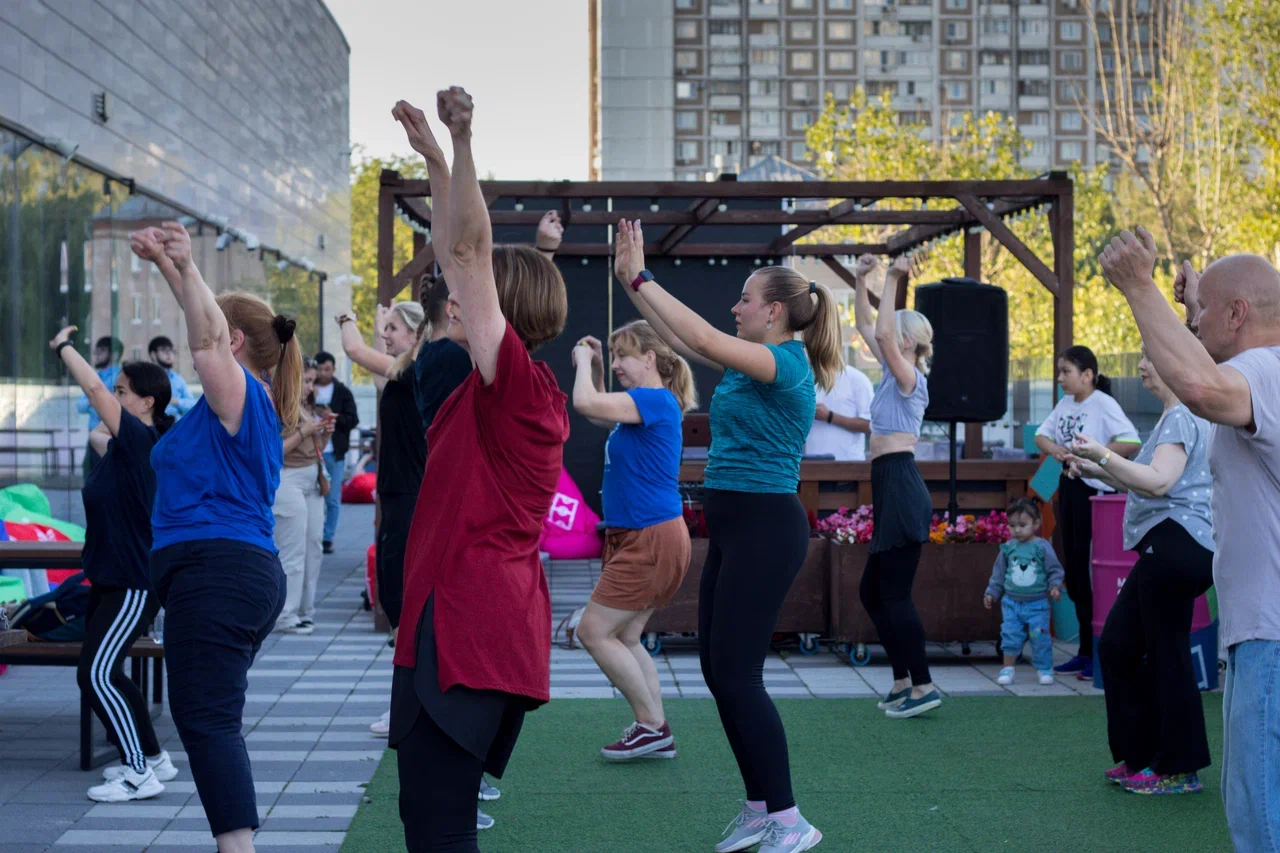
(1251, 746)
(1022, 618)
(336, 466)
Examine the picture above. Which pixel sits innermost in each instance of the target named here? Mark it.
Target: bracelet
(548, 251)
(830, 415)
(58, 349)
(1102, 463)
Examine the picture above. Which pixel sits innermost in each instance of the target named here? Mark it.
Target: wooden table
(40, 555)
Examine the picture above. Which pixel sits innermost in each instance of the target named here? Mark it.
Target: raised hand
(866, 265)
(550, 231)
(1086, 448)
(629, 246)
(901, 266)
(597, 348)
(1130, 259)
(414, 121)
(177, 245)
(62, 336)
(148, 244)
(455, 106)
(1186, 287)
(380, 319)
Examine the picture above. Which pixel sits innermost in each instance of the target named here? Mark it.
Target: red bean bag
(569, 530)
(359, 489)
(371, 574)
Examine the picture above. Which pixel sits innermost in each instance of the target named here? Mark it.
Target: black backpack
(58, 616)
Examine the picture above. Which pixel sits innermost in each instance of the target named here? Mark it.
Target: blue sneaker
(915, 707)
(1076, 664)
(780, 838)
(893, 700)
(483, 821)
(487, 791)
(744, 831)
(1086, 674)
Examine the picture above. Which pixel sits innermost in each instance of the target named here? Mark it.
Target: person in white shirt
(1082, 411)
(842, 419)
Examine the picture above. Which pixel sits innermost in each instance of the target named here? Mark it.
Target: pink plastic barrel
(1111, 566)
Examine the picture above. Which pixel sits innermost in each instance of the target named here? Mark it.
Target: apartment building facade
(689, 88)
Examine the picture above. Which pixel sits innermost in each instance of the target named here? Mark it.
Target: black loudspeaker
(969, 381)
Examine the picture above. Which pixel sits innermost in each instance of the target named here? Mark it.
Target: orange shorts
(643, 569)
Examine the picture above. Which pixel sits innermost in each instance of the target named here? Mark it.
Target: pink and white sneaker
(789, 832)
(638, 740)
(1119, 773)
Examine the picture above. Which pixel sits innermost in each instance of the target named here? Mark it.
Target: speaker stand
(953, 504)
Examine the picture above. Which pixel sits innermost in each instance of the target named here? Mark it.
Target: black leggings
(437, 806)
(1154, 714)
(757, 545)
(885, 591)
(1075, 513)
(393, 535)
(116, 617)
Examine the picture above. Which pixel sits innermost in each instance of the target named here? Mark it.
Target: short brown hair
(1029, 507)
(531, 294)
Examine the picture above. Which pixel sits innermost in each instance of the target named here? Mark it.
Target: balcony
(989, 72)
(886, 42)
(1033, 40)
(759, 131)
(725, 72)
(763, 10)
(998, 101)
(761, 102)
(726, 131)
(726, 102)
(915, 13)
(991, 10)
(1036, 131)
(1033, 72)
(763, 40)
(731, 11)
(995, 41)
(762, 70)
(1033, 102)
(730, 41)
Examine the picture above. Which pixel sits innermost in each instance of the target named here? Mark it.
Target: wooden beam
(412, 272)
(923, 233)
(1044, 189)
(796, 233)
(732, 250)
(386, 241)
(815, 218)
(1010, 241)
(416, 207)
(849, 278)
(700, 211)
(1064, 262)
(415, 285)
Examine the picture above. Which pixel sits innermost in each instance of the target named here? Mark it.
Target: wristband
(548, 251)
(58, 349)
(830, 415)
(643, 276)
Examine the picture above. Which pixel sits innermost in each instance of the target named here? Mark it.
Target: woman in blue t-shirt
(117, 544)
(646, 552)
(902, 341)
(214, 565)
(759, 530)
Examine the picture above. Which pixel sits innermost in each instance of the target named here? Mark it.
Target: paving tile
(316, 839)
(136, 838)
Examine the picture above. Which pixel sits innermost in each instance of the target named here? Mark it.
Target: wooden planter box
(805, 610)
(948, 593)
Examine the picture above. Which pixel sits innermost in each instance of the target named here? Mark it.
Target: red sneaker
(639, 740)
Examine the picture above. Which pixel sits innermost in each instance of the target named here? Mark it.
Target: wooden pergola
(979, 206)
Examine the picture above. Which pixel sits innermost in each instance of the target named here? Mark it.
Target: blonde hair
(638, 338)
(411, 314)
(531, 294)
(269, 345)
(811, 310)
(914, 325)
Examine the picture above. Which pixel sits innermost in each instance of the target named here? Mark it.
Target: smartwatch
(644, 276)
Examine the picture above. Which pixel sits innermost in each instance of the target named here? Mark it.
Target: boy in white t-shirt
(842, 419)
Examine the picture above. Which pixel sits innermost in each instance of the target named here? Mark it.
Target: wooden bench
(11, 441)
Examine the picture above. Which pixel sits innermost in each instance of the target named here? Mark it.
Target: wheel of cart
(809, 643)
(964, 649)
(858, 653)
(652, 642)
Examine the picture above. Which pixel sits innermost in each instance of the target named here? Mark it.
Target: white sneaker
(1006, 676)
(300, 627)
(1046, 677)
(161, 765)
(381, 726)
(127, 786)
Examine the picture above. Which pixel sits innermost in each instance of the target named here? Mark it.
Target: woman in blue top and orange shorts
(902, 341)
(759, 530)
(646, 552)
(214, 565)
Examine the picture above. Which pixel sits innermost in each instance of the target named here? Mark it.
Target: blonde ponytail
(916, 326)
(811, 311)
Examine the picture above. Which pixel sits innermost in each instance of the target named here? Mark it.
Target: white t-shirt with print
(324, 397)
(1098, 416)
(850, 397)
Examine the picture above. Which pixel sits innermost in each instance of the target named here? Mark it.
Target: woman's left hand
(62, 337)
(1086, 448)
(1080, 467)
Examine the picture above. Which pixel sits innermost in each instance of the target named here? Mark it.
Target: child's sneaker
(789, 832)
(1150, 782)
(744, 831)
(637, 741)
(1076, 664)
(1046, 677)
(161, 765)
(1005, 678)
(1119, 773)
(127, 786)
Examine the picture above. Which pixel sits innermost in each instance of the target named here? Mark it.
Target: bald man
(1230, 375)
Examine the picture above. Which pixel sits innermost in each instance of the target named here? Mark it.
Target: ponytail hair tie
(284, 328)
(813, 287)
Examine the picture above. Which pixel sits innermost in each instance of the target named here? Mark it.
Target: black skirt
(900, 504)
(486, 723)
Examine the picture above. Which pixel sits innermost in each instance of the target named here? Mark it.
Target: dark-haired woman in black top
(118, 495)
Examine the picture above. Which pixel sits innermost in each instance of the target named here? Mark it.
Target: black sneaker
(306, 623)
(327, 546)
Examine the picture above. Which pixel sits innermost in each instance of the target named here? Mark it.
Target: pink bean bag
(569, 530)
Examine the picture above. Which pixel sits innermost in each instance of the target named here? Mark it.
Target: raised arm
(904, 372)
(100, 397)
(208, 336)
(470, 250)
(370, 358)
(422, 140)
(591, 401)
(707, 343)
(863, 317)
(1218, 394)
(550, 233)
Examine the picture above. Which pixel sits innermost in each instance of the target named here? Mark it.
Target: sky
(524, 62)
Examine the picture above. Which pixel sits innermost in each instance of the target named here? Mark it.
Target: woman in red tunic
(473, 651)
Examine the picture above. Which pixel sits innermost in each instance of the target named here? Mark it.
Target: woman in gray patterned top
(1155, 722)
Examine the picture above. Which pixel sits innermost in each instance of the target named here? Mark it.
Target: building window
(726, 28)
(801, 4)
(841, 90)
(764, 118)
(840, 60)
(1039, 119)
(768, 56)
(686, 120)
(1039, 149)
(1071, 121)
(687, 152)
(917, 29)
(957, 30)
(762, 148)
(957, 5)
(1038, 88)
(802, 30)
(1070, 151)
(958, 91)
(799, 151)
(803, 91)
(155, 309)
(763, 87)
(686, 4)
(957, 60)
(718, 118)
(993, 57)
(724, 148)
(137, 309)
(1104, 34)
(915, 58)
(688, 30)
(1033, 27)
(1072, 60)
(840, 30)
(1070, 91)
(1070, 31)
(135, 264)
(801, 60)
(995, 87)
(995, 26)
(686, 60)
(840, 5)
(726, 57)
(684, 92)
(799, 121)
(956, 121)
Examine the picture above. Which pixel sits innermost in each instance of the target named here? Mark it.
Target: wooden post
(1062, 223)
(387, 237)
(415, 286)
(973, 270)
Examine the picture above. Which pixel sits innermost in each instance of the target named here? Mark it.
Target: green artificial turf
(980, 774)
